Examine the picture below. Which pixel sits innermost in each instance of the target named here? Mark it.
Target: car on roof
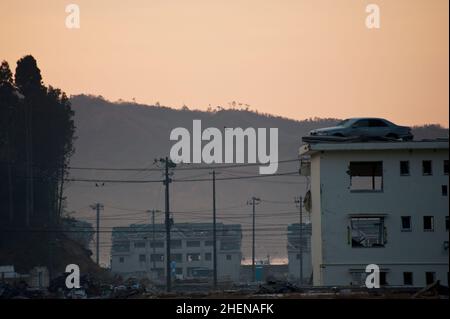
(368, 127)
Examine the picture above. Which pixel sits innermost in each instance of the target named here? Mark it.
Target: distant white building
(383, 203)
(138, 251)
(293, 249)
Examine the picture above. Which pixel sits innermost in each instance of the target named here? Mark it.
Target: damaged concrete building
(383, 203)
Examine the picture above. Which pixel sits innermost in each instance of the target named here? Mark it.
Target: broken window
(404, 168)
(428, 223)
(427, 168)
(406, 223)
(367, 231)
(366, 176)
(193, 257)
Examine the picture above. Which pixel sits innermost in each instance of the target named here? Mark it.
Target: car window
(377, 123)
(342, 123)
(361, 123)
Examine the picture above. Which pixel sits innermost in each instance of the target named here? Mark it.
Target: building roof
(310, 149)
(184, 229)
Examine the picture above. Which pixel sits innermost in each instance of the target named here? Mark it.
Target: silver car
(366, 127)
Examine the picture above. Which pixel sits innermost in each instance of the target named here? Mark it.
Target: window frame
(373, 188)
(381, 231)
(408, 166)
(411, 279)
(423, 168)
(432, 224)
(403, 229)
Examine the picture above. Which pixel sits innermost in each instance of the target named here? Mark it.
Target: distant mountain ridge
(127, 135)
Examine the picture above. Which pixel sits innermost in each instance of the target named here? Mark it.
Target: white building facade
(383, 203)
(140, 251)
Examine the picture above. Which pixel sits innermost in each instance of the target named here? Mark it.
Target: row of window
(428, 223)
(175, 243)
(178, 258)
(371, 231)
(368, 176)
(427, 168)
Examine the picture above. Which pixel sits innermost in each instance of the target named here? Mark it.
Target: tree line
(36, 142)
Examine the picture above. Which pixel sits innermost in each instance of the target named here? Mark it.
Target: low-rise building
(140, 250)
(383, 203)
(294, 253)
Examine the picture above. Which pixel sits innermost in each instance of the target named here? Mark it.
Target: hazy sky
(296, 58)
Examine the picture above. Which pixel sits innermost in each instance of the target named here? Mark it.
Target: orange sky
(296, 58)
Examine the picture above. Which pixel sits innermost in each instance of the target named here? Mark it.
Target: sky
(294, 58)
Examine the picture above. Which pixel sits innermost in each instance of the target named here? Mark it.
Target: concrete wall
(415, 195)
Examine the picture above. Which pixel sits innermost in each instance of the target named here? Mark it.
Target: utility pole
(167, 180)
(214, 231)
(254, 201)
(97, 207)
(153, 211)
(299, 203)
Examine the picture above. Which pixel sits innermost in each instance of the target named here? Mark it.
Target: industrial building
(296, 255)
(383, 203)
(140, 251)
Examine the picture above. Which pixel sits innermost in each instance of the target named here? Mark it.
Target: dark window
(366, 176)
(383, 278)
(406, 223)
(297, 256)
(193, 243)
(446, 223)
(193, 257)
(444, 190)
(157, 257)
(142, 258)
(361, 123)
(208, 256)
(175, 243)
(428, 223)
(179, 271)
(430, 277)
(367, 232)
(139, 244)
(228, 257)
(377, 123)
(408, 278)
(427, 168)
(446, 167)
(229, 245)
(404, 168)
(121, 260)
(176, 257)
(157, 244)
